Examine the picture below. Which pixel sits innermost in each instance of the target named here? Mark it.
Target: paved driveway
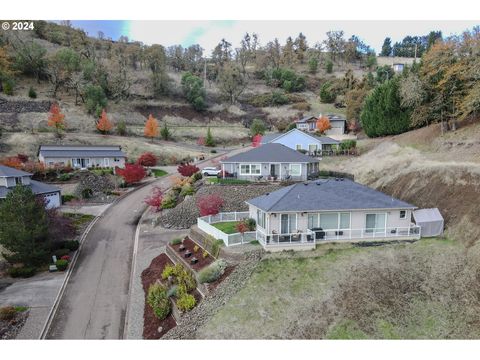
(94, 303)
(38, 293)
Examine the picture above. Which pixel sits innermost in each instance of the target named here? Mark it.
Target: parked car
(210, 171)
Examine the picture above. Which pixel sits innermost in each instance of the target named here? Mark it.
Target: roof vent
(336, 179)
(305, 183)
(318, 183)
(267, 194)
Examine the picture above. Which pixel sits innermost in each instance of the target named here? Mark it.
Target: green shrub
(7, 313)
(176, 241)
(65, 177)
(197, 176)
(279, 98)
(186, 302)
(158, 300)
(182, 276)
(216, 245)
(61, 252)
(327, 94)
(169, 201)
(62, 265)
(212, 272)
(329, 67)
(251, 223)
(87, 193)
(95, 99)
(187, 189)
(348, 144)
(72, 245)
(32, 94)
(8, 87)
(23, 272)
(68, 197)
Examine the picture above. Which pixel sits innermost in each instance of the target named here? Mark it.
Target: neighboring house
(299, 140)
(10, 177)
(300, 215)
(271, 161)
(398, 67)
(82, 156)
(309, 124)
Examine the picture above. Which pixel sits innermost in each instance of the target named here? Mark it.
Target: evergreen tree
(209, 141)
(24, 227)
(386, 47)
(383, 114)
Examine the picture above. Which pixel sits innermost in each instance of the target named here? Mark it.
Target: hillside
(428, 170)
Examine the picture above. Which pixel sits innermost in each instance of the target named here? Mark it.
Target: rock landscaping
(224, 290)
(94, 186)
(185, 214)
(12, 320)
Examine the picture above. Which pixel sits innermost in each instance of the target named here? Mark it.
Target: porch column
(223, 171)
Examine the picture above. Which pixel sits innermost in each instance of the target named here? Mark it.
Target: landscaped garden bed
(153, 327)
(170, 290)
(228, 227)
(187, 246)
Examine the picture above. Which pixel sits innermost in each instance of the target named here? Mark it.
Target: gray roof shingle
(36, 186)
(6, 171)
(327, 195)
(271, 137)
(61, 151)
(270, 152)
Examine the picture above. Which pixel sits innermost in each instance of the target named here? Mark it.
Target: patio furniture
(181, 247)
(193, 260)
(187, 254)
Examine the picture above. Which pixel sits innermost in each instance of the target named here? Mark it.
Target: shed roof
(427, 215)
(327, 195)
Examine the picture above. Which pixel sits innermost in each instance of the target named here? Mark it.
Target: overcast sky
(209, 33)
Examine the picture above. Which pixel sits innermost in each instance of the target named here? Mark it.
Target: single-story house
(398, 67)
(270, 161)
(10, 177)
(309, 124)
(299, 140)
(300, 215)
(82, 156)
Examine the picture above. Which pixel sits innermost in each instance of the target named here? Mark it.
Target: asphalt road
(94, 303)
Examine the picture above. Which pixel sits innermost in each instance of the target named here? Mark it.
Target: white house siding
(357, 218)
(283, 170)
(93, 161)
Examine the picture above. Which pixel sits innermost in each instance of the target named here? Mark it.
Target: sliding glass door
(375, 223)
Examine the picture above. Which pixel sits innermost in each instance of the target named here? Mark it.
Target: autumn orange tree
(103, 124)
(56, 119)
(151, 127)
(323, 124)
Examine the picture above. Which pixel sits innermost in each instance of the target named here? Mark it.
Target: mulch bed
(189, 245)
(150, 321)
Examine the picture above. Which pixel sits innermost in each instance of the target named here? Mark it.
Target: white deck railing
(204, 224)
(317, 236)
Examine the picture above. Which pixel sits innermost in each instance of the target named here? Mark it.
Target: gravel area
(10, 329)
(193, 320)
(186, 213)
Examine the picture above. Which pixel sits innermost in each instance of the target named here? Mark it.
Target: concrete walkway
(38, 293)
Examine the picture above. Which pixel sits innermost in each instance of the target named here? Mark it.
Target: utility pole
(415, 52)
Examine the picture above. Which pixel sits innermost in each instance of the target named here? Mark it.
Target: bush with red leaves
(209, 204)
(187, 169)
(241, 227)
(147, 159)
(155, 199)
(256, 140)
(132, 173)
(65, 257)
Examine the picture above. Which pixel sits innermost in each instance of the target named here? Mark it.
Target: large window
(329, 221)
(250, 169)
(295, 169)
(375, 222)
(288, 223)
(344, 221)
(261, 218)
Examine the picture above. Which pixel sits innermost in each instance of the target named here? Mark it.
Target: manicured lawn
(287, 288)
(228, 227)
(158, 172)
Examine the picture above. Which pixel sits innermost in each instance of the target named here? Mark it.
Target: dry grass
(428, 289)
